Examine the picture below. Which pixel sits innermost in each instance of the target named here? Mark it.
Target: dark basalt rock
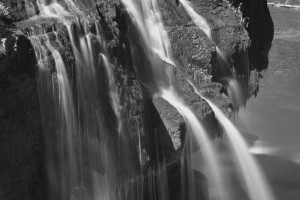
(196, 56)
(159, 125)
(22, 163)
(259, 24)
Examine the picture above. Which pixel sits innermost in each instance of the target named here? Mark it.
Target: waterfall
(80, 143)
(115, 101)
(81, 137)
(203, 140)
(252, 175)
(197, 19)
(146, 17)
(233, 88)
(66, 121)
(151, 28)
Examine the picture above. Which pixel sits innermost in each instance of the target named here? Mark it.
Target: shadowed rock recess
(242, 29)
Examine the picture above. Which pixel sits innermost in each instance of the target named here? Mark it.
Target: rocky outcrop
(155, 131)
(22, 165)
(196, 55)
(258, 22)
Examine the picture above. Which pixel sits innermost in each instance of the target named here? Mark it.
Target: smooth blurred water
(253, 179)
(79, 160)
(233, 87)
(146, 16)
(210, 156)
(274, 115)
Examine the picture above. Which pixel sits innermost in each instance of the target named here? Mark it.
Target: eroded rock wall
(22, 163)
(258, 22)
(160, 127)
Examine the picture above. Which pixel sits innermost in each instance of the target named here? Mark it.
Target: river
(273, 116)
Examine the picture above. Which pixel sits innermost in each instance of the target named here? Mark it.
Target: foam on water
(289, 34)
(260, 148)
(297, 158)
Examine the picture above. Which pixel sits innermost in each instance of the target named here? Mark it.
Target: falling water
(158, 42)
(197, 19)
(151, 28)
(147, 19)
(202, 24)
(202, 139)
(233, 88)
(65, 112)
(234, 92)
(115, 101)
(84, 167)
(253, 177)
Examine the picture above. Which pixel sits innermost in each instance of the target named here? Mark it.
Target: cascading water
(202, 24)
(145, 16)
(147, 20)
(233, 88)
(151, 28)
(252, 175)
(197, 19)
(203, 140)
(115, 101)
(65, 110)
(82, 165)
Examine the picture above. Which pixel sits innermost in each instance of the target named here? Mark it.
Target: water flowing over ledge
(119, 118)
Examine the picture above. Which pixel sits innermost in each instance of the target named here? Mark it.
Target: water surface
(274, 115)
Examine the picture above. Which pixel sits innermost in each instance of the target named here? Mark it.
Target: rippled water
(274, 115)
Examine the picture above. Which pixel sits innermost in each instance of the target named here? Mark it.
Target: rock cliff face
(259, 24)
(244, 36)
(22, 166)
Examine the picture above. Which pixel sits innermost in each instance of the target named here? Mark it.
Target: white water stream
(233, 87)
(252, 175)
(146, 17)
(256, 185)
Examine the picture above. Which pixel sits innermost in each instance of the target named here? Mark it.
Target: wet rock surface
(147, 119)
(22, 166)
(195, 53)
(259, 24)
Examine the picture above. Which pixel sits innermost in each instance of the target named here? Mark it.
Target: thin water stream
(233, 87)
(253, 177)
(251, 173)
(207, 149)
